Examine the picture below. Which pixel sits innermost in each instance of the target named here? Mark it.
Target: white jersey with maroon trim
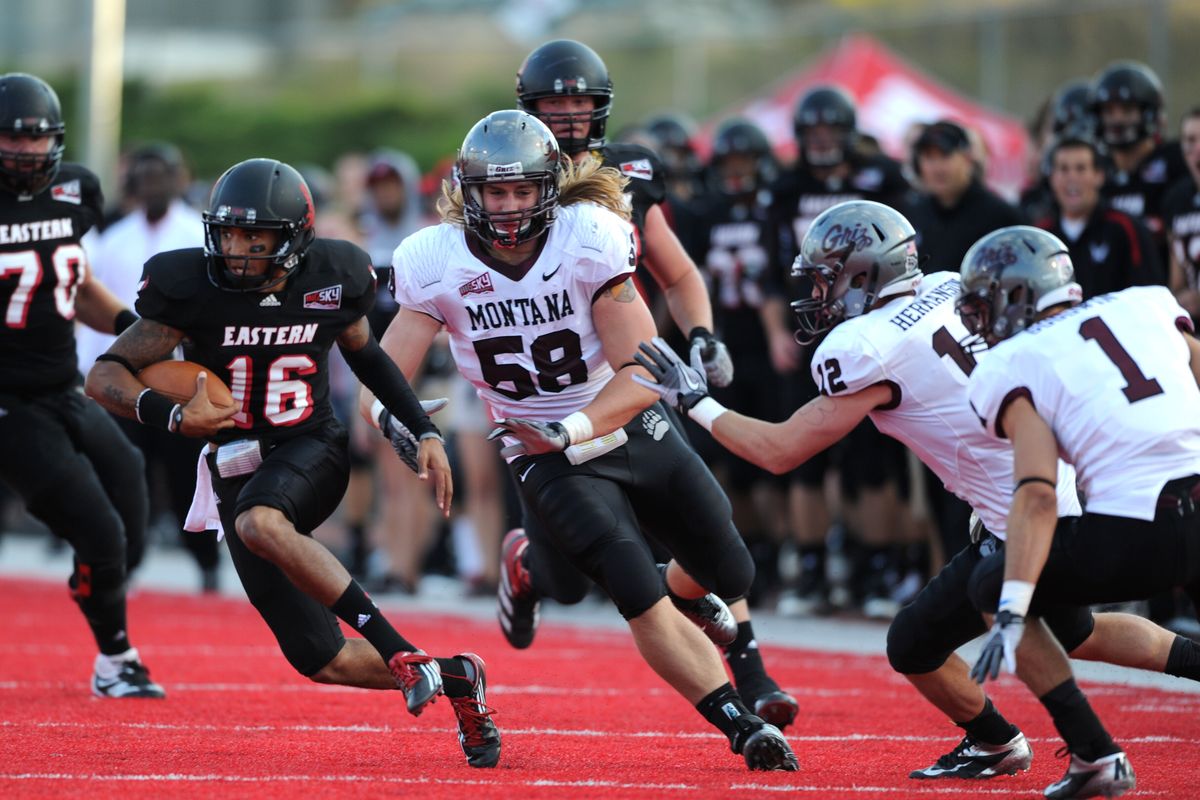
(912, 345)
(528, 345)
(1112, 379)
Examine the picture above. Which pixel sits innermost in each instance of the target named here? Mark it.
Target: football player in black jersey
(1127, 102)
(60, 452)
(263, 303)
(832, 166)
(1181, 216)
(566, 85)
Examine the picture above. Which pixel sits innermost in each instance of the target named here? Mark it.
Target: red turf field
(581, 716)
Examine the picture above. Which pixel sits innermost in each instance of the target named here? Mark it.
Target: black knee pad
(96, 534)
(308, 638)
(1071, 625)
(985, 583)
(909, 650)
(631, 579)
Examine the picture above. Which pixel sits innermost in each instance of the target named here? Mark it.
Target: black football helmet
(1071, 107)
(673, 136)
(1128, 82)
(739, 136)
(504, 147)
(1008, 278)
(29, 107)
(566, 67)
(853, 254)
(263, 194)
(826, 105)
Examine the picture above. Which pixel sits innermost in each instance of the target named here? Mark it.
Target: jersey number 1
(1137, 385)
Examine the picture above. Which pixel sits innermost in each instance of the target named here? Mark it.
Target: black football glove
(718, 366)
(403, 442)
(1000, 647)
(534, 438)
(681, 385)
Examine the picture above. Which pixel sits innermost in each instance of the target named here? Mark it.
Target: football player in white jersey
(566, 85)
(893, 354)
(1111, 386)
(530, 274)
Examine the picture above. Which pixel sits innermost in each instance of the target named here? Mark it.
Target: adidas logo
(270, 301)
(654, 424)
(363, 619)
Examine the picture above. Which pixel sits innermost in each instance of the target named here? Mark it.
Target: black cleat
(124, 676)
(778, 708)
(518, 602)
(709, 613)
(419, 677)
(763, 746)
(972, 759)
(1107, 776)
(477, 734)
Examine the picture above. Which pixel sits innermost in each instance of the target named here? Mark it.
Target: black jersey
(270, 348)
(1181, 218)
(800, 197)
(645, 172)
(41, 267)
(732, 247)
(1140, 193)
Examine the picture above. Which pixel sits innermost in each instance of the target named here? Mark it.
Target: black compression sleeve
(381, 375)
(123, 320)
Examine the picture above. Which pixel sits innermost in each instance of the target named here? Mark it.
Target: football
(177, 380)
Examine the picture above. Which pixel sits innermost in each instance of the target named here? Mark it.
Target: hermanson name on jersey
(513, 311)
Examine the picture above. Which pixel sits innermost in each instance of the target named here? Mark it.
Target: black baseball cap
(944, 135)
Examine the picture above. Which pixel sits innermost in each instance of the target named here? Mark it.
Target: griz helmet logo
(842, 237)
(997, 257)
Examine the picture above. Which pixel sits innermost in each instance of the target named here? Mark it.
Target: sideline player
(61, 453)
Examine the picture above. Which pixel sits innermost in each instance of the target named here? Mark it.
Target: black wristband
(116, 359)
(698, 332)
(1034, 479)
(154, 409)
(123, 320)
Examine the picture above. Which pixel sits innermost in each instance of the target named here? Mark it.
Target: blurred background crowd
(1080, 117)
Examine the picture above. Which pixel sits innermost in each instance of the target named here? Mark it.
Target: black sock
(990, 727)
(721, 707)
(458, 676)
(746, 662)
(1184, 659)
(812, 559)
(100, 594)
(1077, 722)
(360, 613)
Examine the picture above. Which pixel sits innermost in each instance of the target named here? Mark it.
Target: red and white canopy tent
(892, 95)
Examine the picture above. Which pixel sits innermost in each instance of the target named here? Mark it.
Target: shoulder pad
(634, 161)
(178, 274)
(343, 261)
(77, 185)
(420, 260)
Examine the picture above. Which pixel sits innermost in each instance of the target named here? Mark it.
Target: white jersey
(528, 345)
(1112, 380)
(912, 345)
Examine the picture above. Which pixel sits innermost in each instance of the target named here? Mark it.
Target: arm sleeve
(381, 375)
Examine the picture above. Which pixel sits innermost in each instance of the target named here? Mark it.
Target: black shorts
(1107, 559)
(942, 617)
(587, 521)
(305, 478)
(76, 471)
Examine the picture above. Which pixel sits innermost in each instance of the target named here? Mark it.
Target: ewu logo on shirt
(327, 299)
(640, 169)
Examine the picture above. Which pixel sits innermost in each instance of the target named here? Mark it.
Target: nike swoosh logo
(525, 474)
(548, 275)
